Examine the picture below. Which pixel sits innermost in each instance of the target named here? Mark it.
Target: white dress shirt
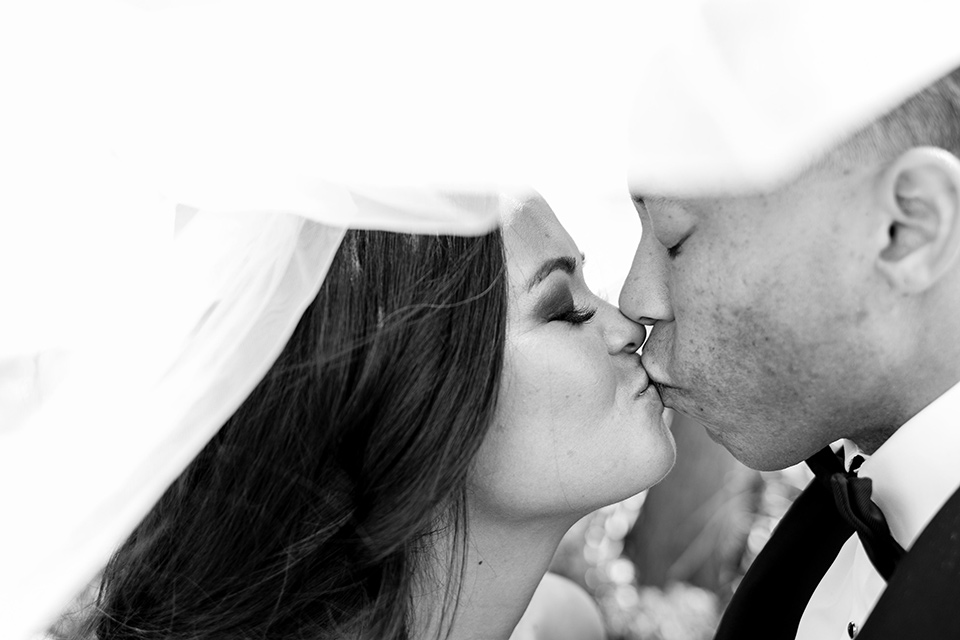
(914, 473)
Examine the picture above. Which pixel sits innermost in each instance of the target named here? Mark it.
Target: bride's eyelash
(559, 306)
(576, 315)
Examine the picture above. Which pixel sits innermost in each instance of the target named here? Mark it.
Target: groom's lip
(662, 385)
(652, 372)
(666, 394)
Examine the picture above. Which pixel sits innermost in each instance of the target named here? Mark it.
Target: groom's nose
(645, 296)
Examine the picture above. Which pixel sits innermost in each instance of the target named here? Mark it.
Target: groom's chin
(757, 457)
(718, 437)
(753, 444)
(748, 450)
(713, 435)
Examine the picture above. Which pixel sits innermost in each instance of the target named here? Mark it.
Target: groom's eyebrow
(567, 264)
(643, 199)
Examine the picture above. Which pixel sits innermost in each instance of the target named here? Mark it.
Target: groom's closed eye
(674, 226)
(674, 250)
(642, 201)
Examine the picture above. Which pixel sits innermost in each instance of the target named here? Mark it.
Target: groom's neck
(930, 381)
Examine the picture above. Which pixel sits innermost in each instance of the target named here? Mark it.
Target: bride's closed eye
(577, 315)
(559, 306)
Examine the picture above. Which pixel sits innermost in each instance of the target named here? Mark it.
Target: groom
(827, 308)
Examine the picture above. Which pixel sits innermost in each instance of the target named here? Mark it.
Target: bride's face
(578, 424)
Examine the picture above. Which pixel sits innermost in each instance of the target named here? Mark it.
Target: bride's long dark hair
(313, 511)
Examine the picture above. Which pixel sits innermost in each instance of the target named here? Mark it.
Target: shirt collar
(851, 451)
(915, 471)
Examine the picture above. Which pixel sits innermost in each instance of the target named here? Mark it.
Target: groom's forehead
(722, 204)
(656, 204)
(651, 200)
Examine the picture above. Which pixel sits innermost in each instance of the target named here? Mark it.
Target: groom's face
(761, 326)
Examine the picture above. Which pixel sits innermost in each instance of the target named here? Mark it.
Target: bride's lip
(649, 391)
(644, 383)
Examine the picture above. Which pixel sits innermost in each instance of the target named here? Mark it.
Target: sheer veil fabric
(123, 346)
(744, 94)
(92, 435)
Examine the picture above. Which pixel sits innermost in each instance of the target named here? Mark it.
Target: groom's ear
(920, 198)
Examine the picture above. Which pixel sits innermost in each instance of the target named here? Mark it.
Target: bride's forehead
(530, 224)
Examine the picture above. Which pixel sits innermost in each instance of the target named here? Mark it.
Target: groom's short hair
(930, 117)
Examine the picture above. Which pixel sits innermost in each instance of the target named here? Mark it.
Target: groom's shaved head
(930, 117)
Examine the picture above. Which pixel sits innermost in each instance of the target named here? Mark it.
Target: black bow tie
(852, 497)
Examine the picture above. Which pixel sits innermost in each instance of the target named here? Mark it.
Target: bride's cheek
(582, 386)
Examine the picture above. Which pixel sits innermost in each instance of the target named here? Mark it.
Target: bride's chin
(662, 464)
(673, 446)
(654, 417)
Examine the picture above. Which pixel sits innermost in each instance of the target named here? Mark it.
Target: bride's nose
(622, 334)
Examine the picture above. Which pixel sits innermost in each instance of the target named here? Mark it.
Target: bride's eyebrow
(567, 264)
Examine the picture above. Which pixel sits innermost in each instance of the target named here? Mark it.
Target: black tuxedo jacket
(922, 599)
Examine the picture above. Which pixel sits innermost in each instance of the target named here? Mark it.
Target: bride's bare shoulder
(560, 610)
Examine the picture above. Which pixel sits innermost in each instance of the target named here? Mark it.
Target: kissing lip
(651, 371)
(647, 384)
(660, 385)
(644, 384)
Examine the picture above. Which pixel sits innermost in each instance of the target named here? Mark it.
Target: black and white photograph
(529, 320)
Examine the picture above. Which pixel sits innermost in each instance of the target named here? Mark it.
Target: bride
(445, 410)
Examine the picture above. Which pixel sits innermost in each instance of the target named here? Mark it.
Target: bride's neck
(505, 563)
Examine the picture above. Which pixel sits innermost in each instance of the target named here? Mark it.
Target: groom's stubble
(762, 324)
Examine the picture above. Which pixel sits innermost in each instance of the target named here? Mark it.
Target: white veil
(124, 346)
(92, 435)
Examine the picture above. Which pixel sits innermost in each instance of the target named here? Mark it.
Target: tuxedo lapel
(922, 599)
(773, 594)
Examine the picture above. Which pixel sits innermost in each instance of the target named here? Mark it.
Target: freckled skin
(571, 433)
(764, 322)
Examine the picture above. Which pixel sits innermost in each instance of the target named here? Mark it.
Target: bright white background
(607, 230)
